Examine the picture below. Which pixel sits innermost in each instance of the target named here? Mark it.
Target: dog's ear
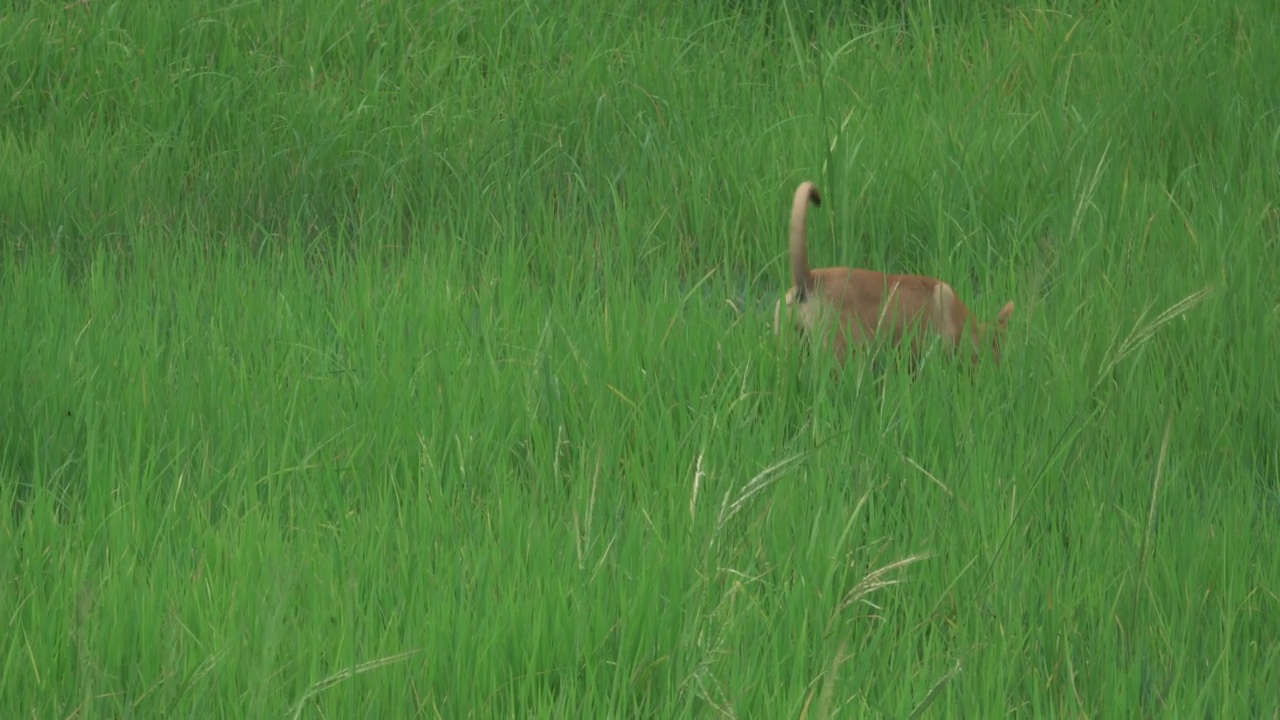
(1002, 322)
(1005, 313)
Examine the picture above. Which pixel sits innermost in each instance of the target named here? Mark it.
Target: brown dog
(866, 304)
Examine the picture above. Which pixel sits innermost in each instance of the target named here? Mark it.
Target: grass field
(374, 359)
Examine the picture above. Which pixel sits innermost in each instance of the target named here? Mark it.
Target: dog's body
(867, 305)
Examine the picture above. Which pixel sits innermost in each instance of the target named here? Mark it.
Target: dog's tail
(801, 278)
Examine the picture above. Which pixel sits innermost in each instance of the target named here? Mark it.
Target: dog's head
(991, 336)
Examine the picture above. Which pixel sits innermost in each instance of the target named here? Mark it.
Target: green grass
(374, 359)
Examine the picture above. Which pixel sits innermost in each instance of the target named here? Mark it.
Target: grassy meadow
(382, 359)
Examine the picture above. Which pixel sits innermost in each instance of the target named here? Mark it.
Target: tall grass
(375, 359)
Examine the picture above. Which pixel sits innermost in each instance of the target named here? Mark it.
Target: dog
(866, 305)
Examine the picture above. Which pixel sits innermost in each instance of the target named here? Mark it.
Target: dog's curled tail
(801, 278)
